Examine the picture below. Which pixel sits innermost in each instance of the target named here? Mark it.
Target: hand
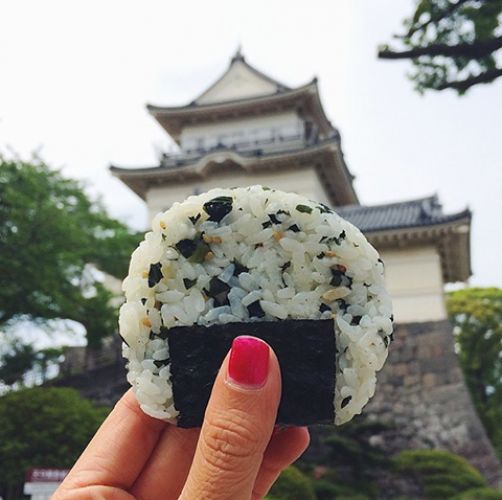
(236, 455)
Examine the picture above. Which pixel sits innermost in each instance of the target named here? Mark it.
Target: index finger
(119, 450)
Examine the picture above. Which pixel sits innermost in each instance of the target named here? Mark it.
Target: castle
(248, 128)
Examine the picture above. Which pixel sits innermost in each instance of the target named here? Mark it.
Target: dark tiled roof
(414, 213)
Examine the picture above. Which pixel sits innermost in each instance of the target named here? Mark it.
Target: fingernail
(248, 363)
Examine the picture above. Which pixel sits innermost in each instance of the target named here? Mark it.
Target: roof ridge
(394, 203)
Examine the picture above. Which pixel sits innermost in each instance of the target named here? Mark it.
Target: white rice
(290, 273)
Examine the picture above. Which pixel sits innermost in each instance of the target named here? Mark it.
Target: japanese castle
(248, 128)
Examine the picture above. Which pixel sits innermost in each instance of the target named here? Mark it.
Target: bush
(292, 485)
(480, 494)
(442, 474)
(42, 427)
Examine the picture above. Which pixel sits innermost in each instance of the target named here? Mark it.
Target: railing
(244, 148)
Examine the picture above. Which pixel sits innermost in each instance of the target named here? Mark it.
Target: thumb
(238, 424)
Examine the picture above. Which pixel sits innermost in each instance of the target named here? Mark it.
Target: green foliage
(50, 231)
(476, 314)
(43, 427)
(350, 463)
(479, 494)
(441, 473)
(451, 43)
(292, 485)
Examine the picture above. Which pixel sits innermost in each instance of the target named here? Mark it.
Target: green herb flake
(304, 209)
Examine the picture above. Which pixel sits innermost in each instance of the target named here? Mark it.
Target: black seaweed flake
(152, 335)
(143, 300)
(273, 218)
(239, 268)
(324, 307)
(189, 283)
(194, 218)
(284, 212)
(218, 290)
(324, 209)
(339, 278)
(321, 255)
(161, 363)
(294, 228)
(186, 247)
(218, 207)
(266, 224)
(346, 401)
(392, 318)
(386, 341)
(356, 320)
(342, 304)
(285, 266)
(265, 188)
(255, 310)
(124, 340)
(154, 274)
(304, 209)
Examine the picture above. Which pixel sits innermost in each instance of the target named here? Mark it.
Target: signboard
(42, 483)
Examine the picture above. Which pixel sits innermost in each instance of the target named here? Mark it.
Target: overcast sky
(75, 77)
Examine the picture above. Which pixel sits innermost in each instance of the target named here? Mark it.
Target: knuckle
(230, 438)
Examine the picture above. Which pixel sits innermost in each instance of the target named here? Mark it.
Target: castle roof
(416, 222)
(243, 91)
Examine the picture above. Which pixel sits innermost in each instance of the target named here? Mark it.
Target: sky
(75, 78)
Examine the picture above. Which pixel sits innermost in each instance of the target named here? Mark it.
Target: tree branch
(473, 50)
(463, 85)
(435, 19)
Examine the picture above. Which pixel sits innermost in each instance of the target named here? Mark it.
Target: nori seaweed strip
(266, 224)
(306, 354)
(255, 310)
(339, 278)
(294, 228)
(346, 401)
(239, 268)
(194, 219)
(356, 320)
(321, 255)
(218, 207)
(154, 274)
(189, 283)
(342, 304)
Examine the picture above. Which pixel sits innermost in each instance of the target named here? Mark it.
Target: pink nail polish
(248, 363)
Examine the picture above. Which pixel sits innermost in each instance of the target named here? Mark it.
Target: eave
(304, 99)
(326, 158)
(452, 239)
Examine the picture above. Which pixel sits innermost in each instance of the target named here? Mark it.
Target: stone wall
(421, 393)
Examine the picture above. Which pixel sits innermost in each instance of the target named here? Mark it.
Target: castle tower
(247, 128)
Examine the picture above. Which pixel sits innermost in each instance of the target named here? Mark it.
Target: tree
(42, 427)
(476, 314)
(50, 234)
(452, 44)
